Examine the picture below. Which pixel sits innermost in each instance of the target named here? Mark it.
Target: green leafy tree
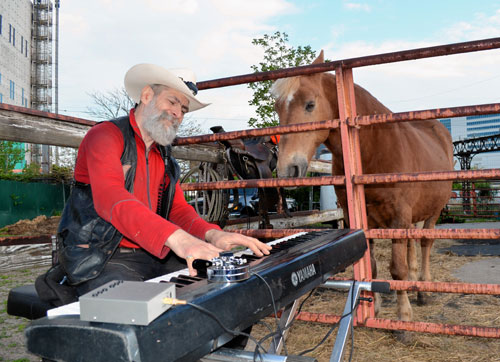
(278, 54)
(11, 153)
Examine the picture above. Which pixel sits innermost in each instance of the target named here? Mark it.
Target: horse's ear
(320, 59)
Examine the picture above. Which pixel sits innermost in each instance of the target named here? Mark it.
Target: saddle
(256, 158)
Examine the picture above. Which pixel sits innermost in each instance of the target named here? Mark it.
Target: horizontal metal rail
(412, 54)
(436, 328)
(279, 233)
(268, 182)
(432, 233)
(426, 176)
(340, 180)
(451, 112)
(472, 110)
(437, 287)
(390, 233)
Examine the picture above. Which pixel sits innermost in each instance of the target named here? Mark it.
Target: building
(26, 62)
(472, 127)
(15, 52)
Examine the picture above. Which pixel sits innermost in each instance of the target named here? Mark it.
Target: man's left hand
(227, 241)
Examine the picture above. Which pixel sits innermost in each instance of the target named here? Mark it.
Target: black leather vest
(80, 223)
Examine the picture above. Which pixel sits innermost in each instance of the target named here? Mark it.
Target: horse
(401, 147)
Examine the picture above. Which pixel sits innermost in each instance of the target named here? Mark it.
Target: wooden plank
(291, 222)
(33, 127)
(19, 127)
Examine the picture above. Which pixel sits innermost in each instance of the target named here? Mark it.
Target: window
(1, 98)
(12, 90)
(22, 97)
(10, 33)
(0, 23)
(26, 48)
(22, 44)
(13, 36)
(0, 78)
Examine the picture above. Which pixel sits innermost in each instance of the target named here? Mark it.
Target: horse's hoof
(404, 337)
(424, 298)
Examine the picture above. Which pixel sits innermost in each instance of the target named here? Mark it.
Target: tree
(116, 103)
(11, 153)
(277, 55)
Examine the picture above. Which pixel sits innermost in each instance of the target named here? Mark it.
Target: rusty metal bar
(438, 287)
(435, 51)
(294, 128)
(435, 328)
(268, 182)
(352, 167)
(432, 233)
(384, 178)
(451, 112)
(340, 180)
(58, 117)
(443, 287)
(471, 110)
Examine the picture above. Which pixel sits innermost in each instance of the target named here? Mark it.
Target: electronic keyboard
(296, 265)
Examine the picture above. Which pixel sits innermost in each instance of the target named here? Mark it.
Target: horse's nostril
(294, 171)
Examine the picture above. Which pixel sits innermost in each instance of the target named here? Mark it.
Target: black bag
(53, 288)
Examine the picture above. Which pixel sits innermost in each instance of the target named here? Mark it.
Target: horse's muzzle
(296, 168)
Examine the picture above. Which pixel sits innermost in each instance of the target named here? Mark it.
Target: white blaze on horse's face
(299, 100)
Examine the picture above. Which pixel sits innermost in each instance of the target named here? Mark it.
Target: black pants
(134, 265)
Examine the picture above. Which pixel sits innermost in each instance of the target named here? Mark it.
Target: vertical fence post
(352, 167)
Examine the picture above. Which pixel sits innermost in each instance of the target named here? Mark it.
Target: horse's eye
(310, 106)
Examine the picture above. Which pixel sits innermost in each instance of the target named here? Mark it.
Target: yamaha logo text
(303, 274)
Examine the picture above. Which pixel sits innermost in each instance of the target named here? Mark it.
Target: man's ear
(147, 94)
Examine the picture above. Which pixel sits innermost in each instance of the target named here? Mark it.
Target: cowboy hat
(183, 80)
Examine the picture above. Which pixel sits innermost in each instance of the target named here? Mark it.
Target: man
(127, 217)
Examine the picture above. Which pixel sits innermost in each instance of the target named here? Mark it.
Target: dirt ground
(41, 225)
(369, 344)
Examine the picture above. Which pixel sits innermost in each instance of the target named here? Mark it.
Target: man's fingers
(189, 261)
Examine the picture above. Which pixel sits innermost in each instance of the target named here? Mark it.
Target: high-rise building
(26, 61)
(472, 127)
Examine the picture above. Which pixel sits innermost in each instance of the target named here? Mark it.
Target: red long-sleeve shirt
(134, 215)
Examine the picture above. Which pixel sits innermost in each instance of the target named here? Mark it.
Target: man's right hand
(190, 248)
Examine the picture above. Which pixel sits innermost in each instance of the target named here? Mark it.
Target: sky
(99, 40)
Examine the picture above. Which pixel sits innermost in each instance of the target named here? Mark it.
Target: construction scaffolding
(41, 71)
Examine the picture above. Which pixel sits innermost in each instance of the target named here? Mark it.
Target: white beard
(154, 124)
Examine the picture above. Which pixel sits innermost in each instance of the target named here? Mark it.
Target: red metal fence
(354, 180)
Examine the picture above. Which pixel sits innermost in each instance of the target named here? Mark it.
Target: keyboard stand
(355, 289)
(286, 318)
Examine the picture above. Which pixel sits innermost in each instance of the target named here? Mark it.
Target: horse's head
(298, 100)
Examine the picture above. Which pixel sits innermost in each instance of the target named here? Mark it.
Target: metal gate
(354, 180)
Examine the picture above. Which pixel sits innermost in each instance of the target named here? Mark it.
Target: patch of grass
(21, 360)
(12, 345)
(21, 327)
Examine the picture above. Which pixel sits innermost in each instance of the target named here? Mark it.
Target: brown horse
(385, 148)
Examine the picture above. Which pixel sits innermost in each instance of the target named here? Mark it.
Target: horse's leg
(412, 254)
(425, 272)
(399, 271)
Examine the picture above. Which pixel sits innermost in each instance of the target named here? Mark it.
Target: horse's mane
(285, 88)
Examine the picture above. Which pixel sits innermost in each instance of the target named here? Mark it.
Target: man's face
(164, 114)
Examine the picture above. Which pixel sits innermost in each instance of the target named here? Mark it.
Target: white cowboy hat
(183, 80)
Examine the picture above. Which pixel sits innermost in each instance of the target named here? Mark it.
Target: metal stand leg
(286, 317)
(355, 289)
